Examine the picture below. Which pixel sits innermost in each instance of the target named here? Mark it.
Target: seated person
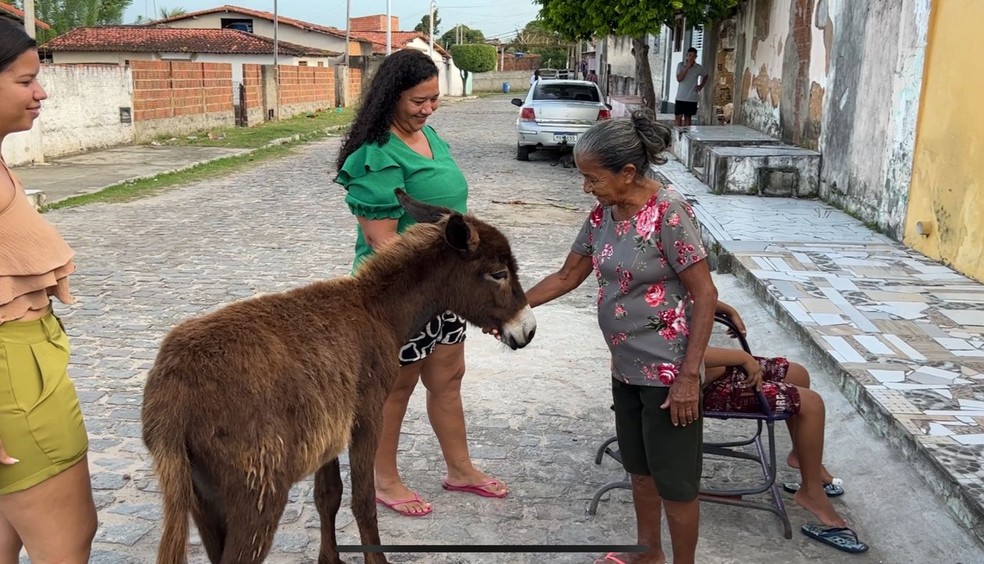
(730, 381)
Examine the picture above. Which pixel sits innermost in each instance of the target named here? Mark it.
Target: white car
(555, 113)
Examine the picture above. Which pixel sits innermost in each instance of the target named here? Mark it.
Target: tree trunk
(644, 74)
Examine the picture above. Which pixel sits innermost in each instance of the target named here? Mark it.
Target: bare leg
(441, 374)
(678, 120)
(800, 377)
(389, 484)
(687, 120)
(55, 519)
(808, 441)
(683, 519)
(10, 542)
(649, 518)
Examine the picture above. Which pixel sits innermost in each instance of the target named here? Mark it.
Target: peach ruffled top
(34, 260)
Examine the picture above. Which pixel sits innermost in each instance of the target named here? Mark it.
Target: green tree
(582, 19)
(467, 34)
(473, 58)
(537, 39)
(172, 12)
(63, 15)
(424, 25)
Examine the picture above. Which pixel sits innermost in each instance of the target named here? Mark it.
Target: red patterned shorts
(728, 393)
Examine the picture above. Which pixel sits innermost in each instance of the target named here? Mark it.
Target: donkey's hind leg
(362, 455)
(208, 513)
(328, 498)
(253, 519)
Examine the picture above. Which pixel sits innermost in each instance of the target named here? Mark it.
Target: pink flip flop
(406, 512)
(611, 557)
(477, 489)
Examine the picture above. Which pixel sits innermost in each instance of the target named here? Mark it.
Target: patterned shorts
(728, 394)
(445, 329)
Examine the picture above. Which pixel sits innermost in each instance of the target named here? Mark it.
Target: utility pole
(348, 5)
(430, 43)
(389, 27)
(29, 25)
(276, 59)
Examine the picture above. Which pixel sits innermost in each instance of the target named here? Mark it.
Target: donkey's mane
(419, 239)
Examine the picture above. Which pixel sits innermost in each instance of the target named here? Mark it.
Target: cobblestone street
(535, 416)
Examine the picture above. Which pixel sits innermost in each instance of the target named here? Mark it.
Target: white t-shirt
(687, 89)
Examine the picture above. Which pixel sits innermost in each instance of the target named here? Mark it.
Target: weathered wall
(518, 80)
(843, 77)
(62, 129)
(871, 104)
(947, 190)
(174, 98)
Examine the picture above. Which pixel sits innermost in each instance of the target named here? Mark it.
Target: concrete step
(691, 143)
(775, 170)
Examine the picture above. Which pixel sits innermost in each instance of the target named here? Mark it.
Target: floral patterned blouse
(643, 306)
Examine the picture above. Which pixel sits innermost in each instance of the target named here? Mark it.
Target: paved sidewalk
(903, 335)
(64, 177)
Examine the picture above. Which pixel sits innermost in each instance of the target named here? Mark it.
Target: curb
(962, 507)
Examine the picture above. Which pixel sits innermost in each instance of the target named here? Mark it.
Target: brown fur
(243, 402)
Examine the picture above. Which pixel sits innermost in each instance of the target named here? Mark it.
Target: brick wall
(373, 23)
(178, 97)
(354, 86)
(253, 95)
(305, 89)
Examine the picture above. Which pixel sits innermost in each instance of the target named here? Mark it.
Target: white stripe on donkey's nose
(518, 331)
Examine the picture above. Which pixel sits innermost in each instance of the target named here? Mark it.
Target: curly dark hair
(399, 72)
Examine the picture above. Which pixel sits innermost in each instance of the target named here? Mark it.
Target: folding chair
(765, 419)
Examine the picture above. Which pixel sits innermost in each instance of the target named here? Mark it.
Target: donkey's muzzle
(518, 331)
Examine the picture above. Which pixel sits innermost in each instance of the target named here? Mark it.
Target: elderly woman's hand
(682, 401)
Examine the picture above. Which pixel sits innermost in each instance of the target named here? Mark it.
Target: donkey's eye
(501, 275)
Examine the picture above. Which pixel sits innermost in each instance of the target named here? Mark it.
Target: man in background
(692, 78)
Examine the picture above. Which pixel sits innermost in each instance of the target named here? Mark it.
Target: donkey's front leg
(362, 456)
(328, 498)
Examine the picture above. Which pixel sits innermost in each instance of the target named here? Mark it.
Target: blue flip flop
(841, 538)
(832, 490)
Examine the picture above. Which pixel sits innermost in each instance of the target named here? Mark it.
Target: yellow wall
(947, 189)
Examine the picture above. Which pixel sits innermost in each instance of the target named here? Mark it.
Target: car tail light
(527, 115)
(604, 114)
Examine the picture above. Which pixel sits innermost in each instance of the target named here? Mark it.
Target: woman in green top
(391, 146)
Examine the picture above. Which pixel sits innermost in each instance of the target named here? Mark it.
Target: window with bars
(697, 38)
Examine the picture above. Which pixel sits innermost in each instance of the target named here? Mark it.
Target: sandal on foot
(831, 489)
(611, 557)
(478, 489)
(841, 538)
(406, 512)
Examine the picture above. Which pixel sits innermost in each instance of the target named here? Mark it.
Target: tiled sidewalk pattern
(908, 331)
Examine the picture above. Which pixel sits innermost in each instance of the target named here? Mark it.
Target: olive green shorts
(40, 419)
(650, 445)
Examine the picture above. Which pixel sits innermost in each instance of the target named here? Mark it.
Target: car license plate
(565, 137)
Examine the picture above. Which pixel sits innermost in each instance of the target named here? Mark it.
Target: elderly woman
(656, 303)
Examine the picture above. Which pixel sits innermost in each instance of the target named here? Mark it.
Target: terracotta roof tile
(306, 26)
(400, 39)
(142, 39)
(19, 14)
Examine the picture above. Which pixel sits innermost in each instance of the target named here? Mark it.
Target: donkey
(243, 402)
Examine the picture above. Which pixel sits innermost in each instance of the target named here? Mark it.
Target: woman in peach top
(45, 495)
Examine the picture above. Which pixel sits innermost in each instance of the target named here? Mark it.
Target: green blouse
(372, 172)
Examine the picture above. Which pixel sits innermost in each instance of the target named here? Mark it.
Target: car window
(579, 92)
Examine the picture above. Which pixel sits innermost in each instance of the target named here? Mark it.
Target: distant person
(593, 76)
(692, 78)
(535, 78)
(46, 501)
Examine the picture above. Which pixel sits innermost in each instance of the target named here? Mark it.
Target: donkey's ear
(459, 234)
(419, 211)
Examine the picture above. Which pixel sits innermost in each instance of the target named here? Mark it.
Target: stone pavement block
(763, 171)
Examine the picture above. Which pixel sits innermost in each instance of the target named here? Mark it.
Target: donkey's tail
(173, 469)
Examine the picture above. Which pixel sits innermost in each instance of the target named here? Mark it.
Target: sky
(495, 18)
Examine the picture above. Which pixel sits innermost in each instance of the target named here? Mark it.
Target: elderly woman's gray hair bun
(638, 140)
